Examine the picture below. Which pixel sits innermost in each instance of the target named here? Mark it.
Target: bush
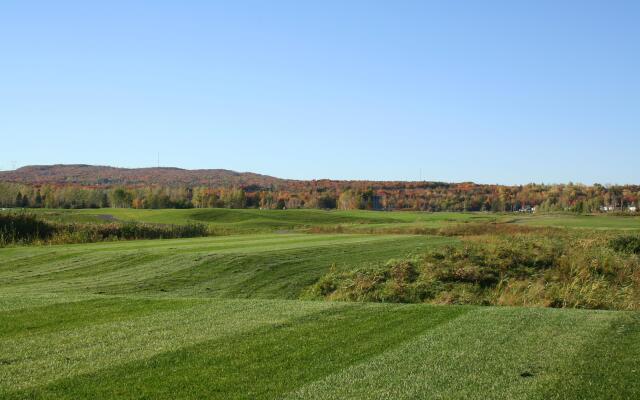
(626, 244)
(81, 233)
(521, 270)
(494, 228)
(23, 228)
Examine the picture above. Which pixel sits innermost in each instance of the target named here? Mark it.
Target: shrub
(484, 228)
(522, 270)
(626, 244)
(23, 228)
(75, 233)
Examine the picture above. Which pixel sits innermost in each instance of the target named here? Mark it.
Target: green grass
(253, 220)
(246, 266)
(582, 221)
(220, 318)
(229, 221)
(500, 353)
(263, 349)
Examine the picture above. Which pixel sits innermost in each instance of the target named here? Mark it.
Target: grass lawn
(231, 221)
(253, 220)
(221, 318)
(134, 347)
(245, 266)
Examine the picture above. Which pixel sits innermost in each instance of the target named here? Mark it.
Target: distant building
(607, 208)
(633, 208)
(527, 209)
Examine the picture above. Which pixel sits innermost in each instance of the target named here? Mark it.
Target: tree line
(427, 196)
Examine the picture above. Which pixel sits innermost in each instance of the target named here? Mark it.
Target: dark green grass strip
(262, 364)
(493, 353)
(57, 317)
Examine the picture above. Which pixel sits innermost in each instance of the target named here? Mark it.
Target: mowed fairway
(256, 266)
(257, 221)
(234, 221)
(221, 318)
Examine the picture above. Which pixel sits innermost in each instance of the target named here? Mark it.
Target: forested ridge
(86, 186)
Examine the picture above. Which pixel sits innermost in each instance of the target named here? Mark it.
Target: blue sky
(492, 92)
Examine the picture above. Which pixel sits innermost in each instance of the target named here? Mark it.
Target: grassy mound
(522, 270)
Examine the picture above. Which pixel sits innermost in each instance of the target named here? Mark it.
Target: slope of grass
(264, 266)
(252, 220)
(227, 221)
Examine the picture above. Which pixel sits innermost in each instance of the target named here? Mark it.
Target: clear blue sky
(493, 92)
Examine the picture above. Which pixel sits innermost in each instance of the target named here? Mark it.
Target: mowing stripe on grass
(271, 267)
(86, 265)
(491, 353)
(12, 301)
(64, 316)
(42, 358)
(248, 243)
(262, 363)
(277, 274)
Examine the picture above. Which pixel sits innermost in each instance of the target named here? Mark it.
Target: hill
(107, 176)
(97, 175)
(89, 186)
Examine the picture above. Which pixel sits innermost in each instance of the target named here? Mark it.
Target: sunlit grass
(220, 318)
